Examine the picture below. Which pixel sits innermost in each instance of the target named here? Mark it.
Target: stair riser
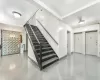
(42, 41)
(43, 50)
(37, 47)
(38, 43)
(30, 33)
(35, 37)
(38, 34)
(49, 64)
(45, 54)
(48, 55)
(35, 29)
(43, 60)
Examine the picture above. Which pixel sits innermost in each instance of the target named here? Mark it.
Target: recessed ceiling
(27, 8)
(24, 7)
(64, 7)
(91, 15)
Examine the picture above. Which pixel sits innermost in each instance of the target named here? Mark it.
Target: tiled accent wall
(10, 42)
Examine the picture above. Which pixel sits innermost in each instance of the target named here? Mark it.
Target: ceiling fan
(81, 21)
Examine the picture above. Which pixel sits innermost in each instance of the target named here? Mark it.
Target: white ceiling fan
(81, 21)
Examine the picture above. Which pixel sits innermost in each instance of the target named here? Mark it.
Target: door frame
(74, 40)
(1, 43)
(68, 32)
(26, 42)
(97, 42)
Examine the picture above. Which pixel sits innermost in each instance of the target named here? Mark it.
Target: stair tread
(47, 56)
(49, 62)
(43, 45)
(48, 51)
(41, 42)
(45, 48)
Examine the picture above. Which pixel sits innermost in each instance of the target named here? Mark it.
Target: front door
(78, 42)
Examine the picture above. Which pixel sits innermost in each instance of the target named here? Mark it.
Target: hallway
(74, 67)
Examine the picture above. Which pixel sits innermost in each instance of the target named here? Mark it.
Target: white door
(78, 42)
(68, 43)
(91, 43)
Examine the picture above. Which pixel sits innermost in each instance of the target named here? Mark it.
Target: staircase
(44, 53)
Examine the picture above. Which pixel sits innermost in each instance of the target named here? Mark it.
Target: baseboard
(92, 55)
(9, 54)
(78, 52)
(63, 57)
(86, 54)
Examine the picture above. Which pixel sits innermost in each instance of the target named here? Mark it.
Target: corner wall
(31, 52)
(58, 31)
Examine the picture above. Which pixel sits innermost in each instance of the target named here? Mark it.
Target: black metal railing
(47, 32)
(39, 45)
(39, 60)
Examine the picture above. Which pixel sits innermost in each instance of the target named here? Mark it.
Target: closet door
(91, 43)
(78, 42)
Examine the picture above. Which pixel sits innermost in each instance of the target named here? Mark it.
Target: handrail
(32, 16)
(47, 32)
(40, 47)
(32, 44)
(34, 34)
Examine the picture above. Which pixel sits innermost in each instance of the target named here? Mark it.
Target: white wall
(58, 31)
(32, 21)
(63, 40)
(10, 27)
(88, 28)
(31, 52)
(24, 39)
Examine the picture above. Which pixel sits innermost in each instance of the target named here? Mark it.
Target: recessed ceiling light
(16, 14)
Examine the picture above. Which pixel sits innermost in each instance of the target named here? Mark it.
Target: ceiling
(91, 15)
(67, 10)
(70, 10)
(24, 7)
(63, 8)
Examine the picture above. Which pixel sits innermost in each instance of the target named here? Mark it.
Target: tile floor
(73, 67)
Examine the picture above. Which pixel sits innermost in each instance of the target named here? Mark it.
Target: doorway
(10, 42)
(26, 42)
(68, 43)
(92, 43)
(78, 42)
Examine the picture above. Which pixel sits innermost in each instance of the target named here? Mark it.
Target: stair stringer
(54, 46)
(31, 52)
(36, 59)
